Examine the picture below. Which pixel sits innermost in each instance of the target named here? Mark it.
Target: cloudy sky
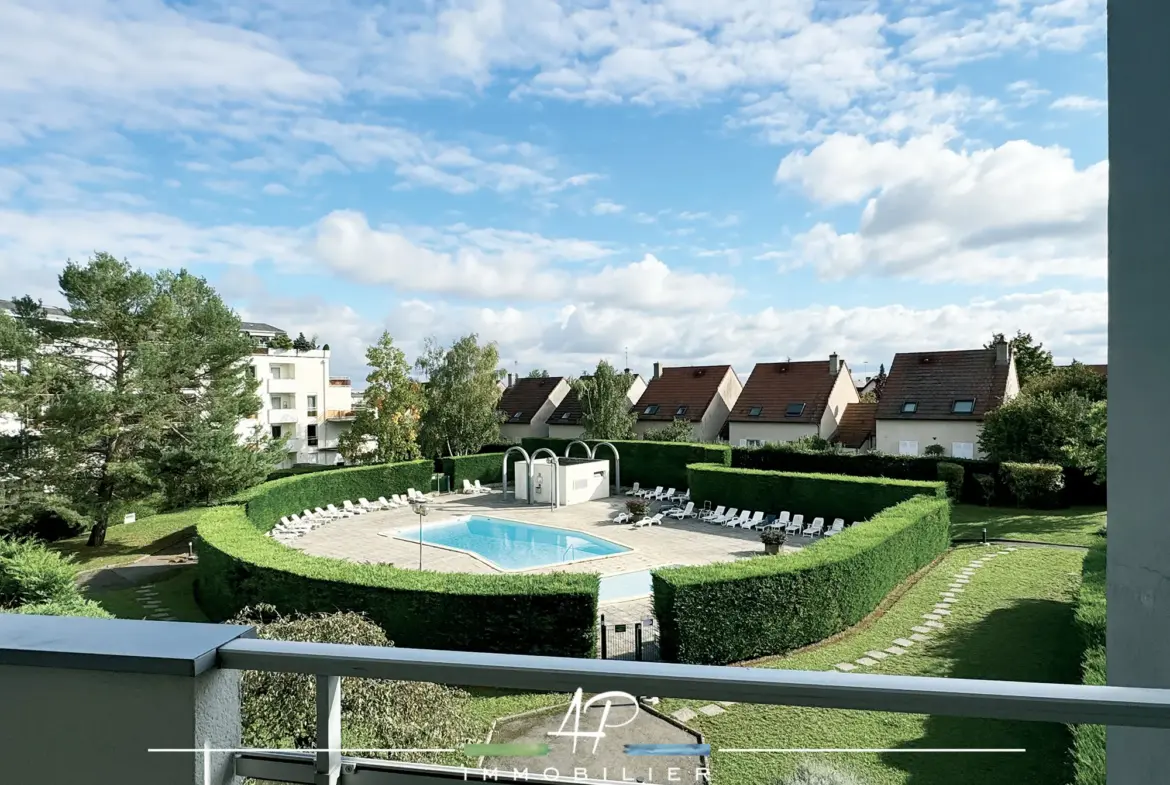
(686, 181)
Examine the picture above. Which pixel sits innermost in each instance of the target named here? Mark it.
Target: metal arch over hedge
(569, 448)
(527, 461)
(532, 473)
(617, 462)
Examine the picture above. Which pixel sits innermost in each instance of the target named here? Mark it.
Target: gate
(631, 641)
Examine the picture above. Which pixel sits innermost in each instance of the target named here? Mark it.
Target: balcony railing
(339, 381)
(340, 414)
(282, 416)
(136, 671)
(277, 386)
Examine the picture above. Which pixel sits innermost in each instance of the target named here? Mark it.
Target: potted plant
(638, 508)
(772, 539)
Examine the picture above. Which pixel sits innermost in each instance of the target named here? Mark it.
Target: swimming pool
(512, 545)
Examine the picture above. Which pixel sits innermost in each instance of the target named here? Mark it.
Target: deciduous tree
(387, 429)
(1034, 428)
(1075, 378)
(605, 407)
(537, 373)
(461, 395)
(1032, 359)
(677, 431)
(1087, 449)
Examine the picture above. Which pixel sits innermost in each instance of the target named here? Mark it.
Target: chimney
(657, 370)
(834, 365)
(511, 381)
(1003, 351)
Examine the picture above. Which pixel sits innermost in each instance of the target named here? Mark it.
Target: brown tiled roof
(527, 396)
(935, 380)
(858, 425)
(772, 386)
(693, 386)
(1101, 369)
(571, 406)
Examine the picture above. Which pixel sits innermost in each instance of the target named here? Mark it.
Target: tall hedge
(826, 495)
(647, 463)
(733, 611)
(1089, 740)
(485, 467)
(551, 614)
(1078, 487)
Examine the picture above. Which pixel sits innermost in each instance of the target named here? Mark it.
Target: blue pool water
(625, 586)
(511, 545)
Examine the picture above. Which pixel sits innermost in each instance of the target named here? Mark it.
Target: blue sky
(684, 181)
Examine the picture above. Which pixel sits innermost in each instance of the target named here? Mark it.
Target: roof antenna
(627, 365)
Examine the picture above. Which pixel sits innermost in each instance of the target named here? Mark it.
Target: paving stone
(942, 611)
(895, 650)
(726, 703)
(903, 643)
(955, 587)
(711, 710)
(936, 625)
(684, 715)
(845, 666)
(866, 661)
(958, 590)
(948, 593)
(931, 616)
(877, 655)
(919, 637)
(920, 630)
(963, 580)
(1010, 550)
(942, 606)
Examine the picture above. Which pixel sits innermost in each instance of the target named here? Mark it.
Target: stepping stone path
(905, 644)
(684, 715)
(845, 666)
(919, 637)
(866, 661)
(896, 650)
(931, 616)
(148, 598)
(876, 655)
(711, 710)
(921, 630)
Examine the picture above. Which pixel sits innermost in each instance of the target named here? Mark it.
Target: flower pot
(771, 548)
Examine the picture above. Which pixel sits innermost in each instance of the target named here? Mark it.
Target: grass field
(1074, 526)
(1014, 621)
(175, 592)
(128, 542)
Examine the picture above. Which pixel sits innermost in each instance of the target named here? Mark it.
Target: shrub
(238, 566)
(638, 508)
(46, 518)
(818, 774)
(733, 611)
(646, 462)
(952, 475)
(303, 468)
(773, 537)
(1035, 485)
(825, 495)
(75, 607)
(32, 574)
(934, 450)
(1089, 740)
(279, 709)
(485, 467)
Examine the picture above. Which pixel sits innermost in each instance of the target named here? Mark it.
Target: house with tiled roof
(566, 421)
(700, 394)
(942, 398)
(787, 401)
(526, 405)
(857, 430)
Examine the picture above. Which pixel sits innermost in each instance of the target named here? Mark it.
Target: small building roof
(934, 381)
(260, 327)
(773, 387)
(525, 397)
(858, 425)
(689, 389)
(10, 307)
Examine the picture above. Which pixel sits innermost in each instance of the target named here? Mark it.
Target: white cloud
(1079, 103)
(1026, 92)
(1013, 213)
(606, 207)
(275, 189)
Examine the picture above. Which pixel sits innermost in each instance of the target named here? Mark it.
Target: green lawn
(1074, 526)
(175, 593)
(128, 542)
(1013, 622)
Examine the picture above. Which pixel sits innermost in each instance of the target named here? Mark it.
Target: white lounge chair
(683, 497)
(468, 487)
(756, 520)
(729, 515)
(815, 528)
(398, 500)
(780, 522)
(336, 513)
(481, 488)
(645, 494)
(795, 525)
(349, 507)
(324, 515)
(664, 495)
(412, 494)
(685, 512)
(368, 505)
(838, 526)
(709, 514)
(634, 490)
(621, 517)
(654, 519)
(306, 515)
(734, 522)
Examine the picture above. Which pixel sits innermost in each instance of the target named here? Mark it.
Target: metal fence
(636, 641)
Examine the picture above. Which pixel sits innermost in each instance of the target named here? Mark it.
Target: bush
(485, 467)
(646, 462)
(638, 508)
(303, 468)
(279, 709)
(238, 566)
(773, 537)
(826, 495)
(818, 774)
(31, 574)
(952, 475)
(46, 518)
(1034, 485)
(76, 607)
(1089, 740)
(733, 611)
(986, 484)
(934, 450)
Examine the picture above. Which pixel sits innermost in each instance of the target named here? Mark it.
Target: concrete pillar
(1138, 635)
(84, 700)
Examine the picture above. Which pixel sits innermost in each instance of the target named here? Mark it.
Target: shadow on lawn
(82, 553)
(968, 521)
(1033, 640)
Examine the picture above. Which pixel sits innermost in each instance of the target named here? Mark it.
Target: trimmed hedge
(827, 495)
(1089, 740)
(1079, 488)
(550, 614)
(304, 468)
(952, 475)
(733, 611)
(648, 463)
(484, 467)
(1035, 485)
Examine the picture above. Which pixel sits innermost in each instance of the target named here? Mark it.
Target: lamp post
(420, 509)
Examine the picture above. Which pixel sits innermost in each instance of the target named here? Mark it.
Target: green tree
(281, 341)
(1032, 359)
(677, 431)
(869, 396)
(1034, 428)
(207, 462)
(1075, 378)
(461, 395)
(880, 383)
(387, 428)
(605, 407)
(140, 364)
(537, 373)
(1087, 449)
(303, 344)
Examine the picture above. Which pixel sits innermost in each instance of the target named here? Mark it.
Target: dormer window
(963, 406)
(517, 415)
(794, 410)
(565, 416)
(755, 411)
(651, 409)
(909, 407)
(680, 411)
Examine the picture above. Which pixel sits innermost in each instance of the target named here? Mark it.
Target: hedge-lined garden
(551, 614)
(485, 467)
(648, 463)
(734, 611)
(827, 495)
(1089, 740)
(1078, 488)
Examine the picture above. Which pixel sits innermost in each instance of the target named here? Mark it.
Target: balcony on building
(282, 416)
(339, 381)
(340, 415)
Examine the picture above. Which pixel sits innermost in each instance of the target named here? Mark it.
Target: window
(276, 432)
(909, 407)
(680, 411)
(277, 401)
(962, 450)
(565, 416)
(963, 406)
(517, 415)
(754, 442)
(651, 409)
(311, 434)
(311, 404)
(755, 411)
(275, 369)
(907, 448)
(251, 371)
(794, 410)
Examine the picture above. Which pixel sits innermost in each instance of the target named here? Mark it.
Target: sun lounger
(621, 517)
(648, 521)
(664, 495)
(709, 514)
(481, 488)
(336, 513)
(634, 490)
(468, 487)
(815, 528)
(755, 521)
(349, 507)
(729, 515)
(737, 521)
(645, 494)
(685, 512)
(838, 526)
(795, 525)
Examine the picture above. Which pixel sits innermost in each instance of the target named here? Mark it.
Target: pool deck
(362, 537)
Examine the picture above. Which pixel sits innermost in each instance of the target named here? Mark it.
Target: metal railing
(1038, 702)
